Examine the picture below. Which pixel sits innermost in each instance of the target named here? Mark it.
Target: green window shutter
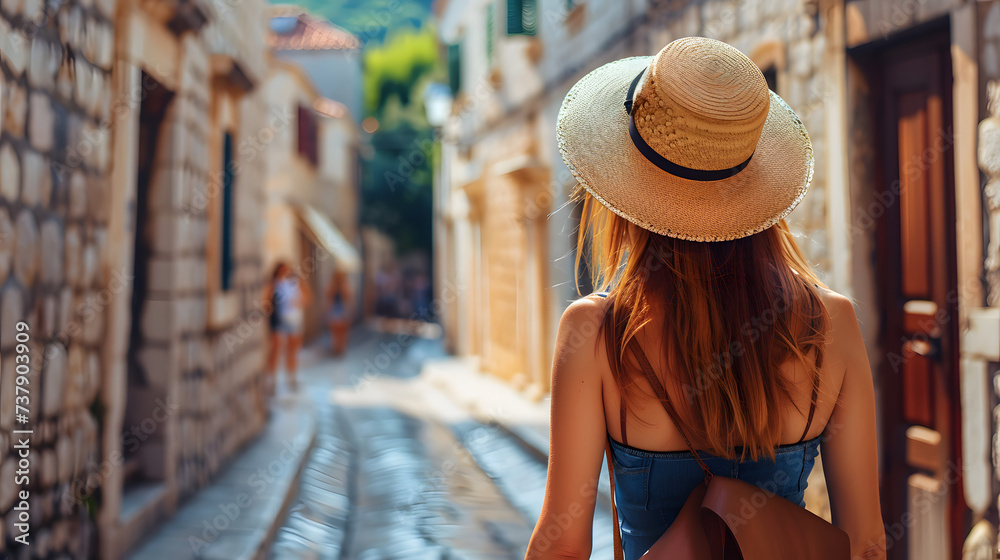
(455, 67)
(522, 17)
(491, 31)
(227, 259)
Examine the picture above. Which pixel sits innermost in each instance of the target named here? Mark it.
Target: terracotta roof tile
(309, 33)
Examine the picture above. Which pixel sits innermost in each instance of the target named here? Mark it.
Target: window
(226, 254)
(522, 17)
(308, 135)
(455, 68)
(771, 77)
(491, 31)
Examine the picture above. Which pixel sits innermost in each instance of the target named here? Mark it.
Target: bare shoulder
(845, 343)
(584, 314)
(840, 309)
(579, 330)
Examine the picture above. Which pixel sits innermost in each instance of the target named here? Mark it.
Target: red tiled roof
(309, 33)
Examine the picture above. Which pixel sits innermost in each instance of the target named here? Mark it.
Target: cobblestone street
(401, 471)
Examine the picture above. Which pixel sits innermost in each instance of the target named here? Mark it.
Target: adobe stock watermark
(460, 448)
(901, 14)
(421, 149)
(930, 328)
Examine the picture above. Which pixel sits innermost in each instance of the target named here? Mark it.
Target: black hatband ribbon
(665, 164)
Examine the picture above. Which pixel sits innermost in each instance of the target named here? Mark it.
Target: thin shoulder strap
(813, 397)
(661, 394)
(812, 402)
(658, 388)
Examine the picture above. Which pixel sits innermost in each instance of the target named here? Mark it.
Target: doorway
(143, 436)
(915, 264)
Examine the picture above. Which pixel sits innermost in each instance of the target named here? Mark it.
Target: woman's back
(650, 428)
(653, 478)
(655, 472)
(843, 427)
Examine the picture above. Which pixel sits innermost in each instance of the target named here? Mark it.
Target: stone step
(236, 516)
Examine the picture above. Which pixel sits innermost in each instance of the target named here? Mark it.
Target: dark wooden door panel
(913, 211)
(916, 270)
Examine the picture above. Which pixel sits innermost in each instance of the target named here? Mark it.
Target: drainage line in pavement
(344, 425)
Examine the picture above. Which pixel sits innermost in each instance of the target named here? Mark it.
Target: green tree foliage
(398, 176)
(397, 186)
(397, 67)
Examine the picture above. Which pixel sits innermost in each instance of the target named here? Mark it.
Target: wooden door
(922, 498)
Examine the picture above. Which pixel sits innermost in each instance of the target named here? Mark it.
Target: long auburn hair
(733, 313)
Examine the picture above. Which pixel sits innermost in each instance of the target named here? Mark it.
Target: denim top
(652, 486)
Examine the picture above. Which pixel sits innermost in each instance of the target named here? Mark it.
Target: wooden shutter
(522, 17)
(226, 258)
(491, 31)
(308, 135)
(455, 68)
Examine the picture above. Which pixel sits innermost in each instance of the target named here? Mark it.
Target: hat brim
(593, 138)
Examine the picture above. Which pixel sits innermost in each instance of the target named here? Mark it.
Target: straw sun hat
(689, 143)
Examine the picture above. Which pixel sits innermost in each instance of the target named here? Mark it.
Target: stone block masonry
(60, 274)
(55, 70)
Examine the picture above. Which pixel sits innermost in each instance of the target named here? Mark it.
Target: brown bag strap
(619, 554)
(661, 394)
(622, 407)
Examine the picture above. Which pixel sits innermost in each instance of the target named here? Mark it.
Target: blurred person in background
(422, 297)
(338, 296)
(288, 298)
(712, 349)
(387, 288)
(404, 305)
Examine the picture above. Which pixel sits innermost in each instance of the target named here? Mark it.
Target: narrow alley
(400, 470)
(402, 201)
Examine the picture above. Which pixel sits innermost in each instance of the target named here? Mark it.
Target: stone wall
(989, 164)
(989, 140)
(201, 345)
(56, 68)
(199, 348)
